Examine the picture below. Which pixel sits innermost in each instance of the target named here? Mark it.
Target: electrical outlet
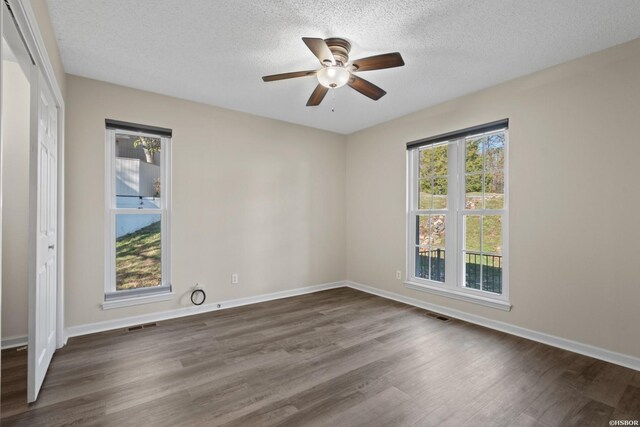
(398, 274)
(234, 278)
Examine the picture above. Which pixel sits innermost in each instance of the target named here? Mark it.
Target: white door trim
(30, 31)
(1, 145)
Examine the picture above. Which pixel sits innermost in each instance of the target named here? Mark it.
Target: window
(458, 213)
(137, 212)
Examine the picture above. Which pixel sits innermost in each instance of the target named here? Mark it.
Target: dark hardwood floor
(335, 358)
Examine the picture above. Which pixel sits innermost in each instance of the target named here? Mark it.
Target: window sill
(459, 295)
(137, 300)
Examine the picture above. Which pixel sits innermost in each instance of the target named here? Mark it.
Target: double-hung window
(138, 200)
(457, 215)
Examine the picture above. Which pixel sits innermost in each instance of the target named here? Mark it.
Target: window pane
(472, 270)
(138, 262)
(430, 233)
(137, 166)
(483, 268)
(492, 234)
(494, 153)
(440, 160)
(494, 190)
(473, 192)
(473, 154)
(426, 162)
(436, 257)
(492, 273)
(423, 231)
(437, 247)
(472, 233)
(437, 230)
(422, 263)
(425, 194)
(440, 191)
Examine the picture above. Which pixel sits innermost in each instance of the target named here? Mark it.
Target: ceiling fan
(337, 71)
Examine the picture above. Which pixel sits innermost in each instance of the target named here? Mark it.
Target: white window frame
(453, 286)
(114, 298)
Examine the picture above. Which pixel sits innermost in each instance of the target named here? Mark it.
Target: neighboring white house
(135, 177)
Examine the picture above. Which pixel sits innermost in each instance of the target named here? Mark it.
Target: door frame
(1, 157)
(28, 27)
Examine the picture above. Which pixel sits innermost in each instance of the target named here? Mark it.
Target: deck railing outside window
(491, 269)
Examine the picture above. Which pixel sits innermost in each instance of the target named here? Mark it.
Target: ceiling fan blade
(284, 76)
(378, 62)
(366, 88)
(320, 50)
(317, 96)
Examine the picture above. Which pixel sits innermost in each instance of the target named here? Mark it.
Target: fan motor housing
(340, 49)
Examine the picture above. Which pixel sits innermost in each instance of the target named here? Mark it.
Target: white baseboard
(576, 347)
(74, 331)
(12, 342)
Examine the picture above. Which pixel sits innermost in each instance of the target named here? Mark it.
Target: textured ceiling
(215, 51)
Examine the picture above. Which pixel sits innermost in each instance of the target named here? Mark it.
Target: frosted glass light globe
(333, 77)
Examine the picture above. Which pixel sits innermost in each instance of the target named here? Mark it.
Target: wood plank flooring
(332, 358)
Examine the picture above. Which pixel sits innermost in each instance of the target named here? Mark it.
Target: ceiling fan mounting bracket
(340, 49)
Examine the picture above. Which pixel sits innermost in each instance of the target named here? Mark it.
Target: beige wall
(41, 12)
(267, 199)
(15, 199)
(253, 196)
(574, 234)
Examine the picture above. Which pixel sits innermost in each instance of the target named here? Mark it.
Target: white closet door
(43, 275)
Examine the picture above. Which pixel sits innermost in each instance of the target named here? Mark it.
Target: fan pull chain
(333, 101)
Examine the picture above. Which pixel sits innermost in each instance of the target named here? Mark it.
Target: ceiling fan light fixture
(333, 77)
